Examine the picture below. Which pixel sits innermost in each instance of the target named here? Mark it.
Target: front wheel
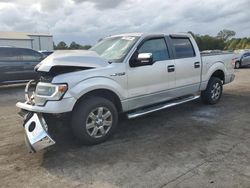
(94, 120)
(213, 92)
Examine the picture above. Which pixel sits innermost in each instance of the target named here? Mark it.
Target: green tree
(247, 46)
(239, 44)
(206, 42)
(244, 43)
(232, 44)
(61, 46)
(225, 34)
(54, 46)
(86, 47)
(74, 45)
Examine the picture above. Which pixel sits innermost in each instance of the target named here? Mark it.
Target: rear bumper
(36, 135)
(52, 107)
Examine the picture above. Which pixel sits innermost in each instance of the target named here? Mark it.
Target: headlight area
(49, 92)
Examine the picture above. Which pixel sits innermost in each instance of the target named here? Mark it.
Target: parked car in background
(46, 52)
(211, 52)
(17, 64)
(241, 60)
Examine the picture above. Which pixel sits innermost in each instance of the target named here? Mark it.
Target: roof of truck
(149, 34)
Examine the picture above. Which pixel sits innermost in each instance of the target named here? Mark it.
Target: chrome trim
(160, 107)
(26, 91)
(118, 74)
(37, 138)
(14, 81)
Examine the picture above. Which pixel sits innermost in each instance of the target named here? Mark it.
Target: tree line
(73, 46)
(224, 40)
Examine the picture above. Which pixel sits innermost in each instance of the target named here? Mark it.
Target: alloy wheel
(99, 122)
(216, 91)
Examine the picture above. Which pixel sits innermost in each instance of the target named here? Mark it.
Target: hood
(72, 58)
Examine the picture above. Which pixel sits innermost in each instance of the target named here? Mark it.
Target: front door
(148, 84)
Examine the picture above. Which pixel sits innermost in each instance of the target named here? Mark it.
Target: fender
(91, 84)
(209, 72)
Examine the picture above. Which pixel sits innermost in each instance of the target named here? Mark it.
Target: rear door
(11, 67)
(187, 65)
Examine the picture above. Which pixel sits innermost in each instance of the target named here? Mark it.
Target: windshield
(115, 48)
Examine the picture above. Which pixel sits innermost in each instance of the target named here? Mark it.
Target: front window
(157, 47)
(115, 48)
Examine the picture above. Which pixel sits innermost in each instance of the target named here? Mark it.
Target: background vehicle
(17, 64)
(134, 74)
(46, 52)
(241, 60)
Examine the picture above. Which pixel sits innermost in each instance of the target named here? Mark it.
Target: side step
(161, 106)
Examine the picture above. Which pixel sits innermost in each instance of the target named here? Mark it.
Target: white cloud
(86, 21)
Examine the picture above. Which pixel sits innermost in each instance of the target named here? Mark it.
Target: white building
(36, 41)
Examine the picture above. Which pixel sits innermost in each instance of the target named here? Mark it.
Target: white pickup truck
(130, 73)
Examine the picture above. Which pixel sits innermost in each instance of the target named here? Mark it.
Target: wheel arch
(216, 70)
(219, 74)
(104, 93)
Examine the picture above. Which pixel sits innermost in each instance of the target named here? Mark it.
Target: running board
(161, 106)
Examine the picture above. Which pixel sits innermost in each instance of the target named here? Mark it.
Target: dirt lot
(191, 145)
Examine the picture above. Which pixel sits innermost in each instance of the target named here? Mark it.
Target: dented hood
(72, 58)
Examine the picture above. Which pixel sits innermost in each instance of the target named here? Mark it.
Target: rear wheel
(213, 92)
(237, 65)
(94, 120)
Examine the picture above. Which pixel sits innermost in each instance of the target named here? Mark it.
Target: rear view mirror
(145, 58)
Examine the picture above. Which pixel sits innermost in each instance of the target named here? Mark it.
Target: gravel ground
(191, 145)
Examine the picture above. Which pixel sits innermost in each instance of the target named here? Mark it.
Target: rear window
(183, 47)
(247, 54)
(30, 55)
(19, 54)
(9, 54)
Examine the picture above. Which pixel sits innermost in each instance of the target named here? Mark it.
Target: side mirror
(145, 58)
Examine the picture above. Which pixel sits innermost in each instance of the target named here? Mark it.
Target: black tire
(237, 65)
(211, 95)
(81, 115)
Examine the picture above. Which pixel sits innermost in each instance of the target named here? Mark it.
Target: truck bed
(208, 60)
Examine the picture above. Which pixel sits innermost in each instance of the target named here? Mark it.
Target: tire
(237, 65)
(213, 92)
(94, 120)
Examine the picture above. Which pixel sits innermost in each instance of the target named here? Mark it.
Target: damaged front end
(49, 95)
(35, 126)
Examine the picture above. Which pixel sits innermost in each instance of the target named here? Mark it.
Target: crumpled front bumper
(52, 107)
(36, 135)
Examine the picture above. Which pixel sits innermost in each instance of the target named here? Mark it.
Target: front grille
(46, 79)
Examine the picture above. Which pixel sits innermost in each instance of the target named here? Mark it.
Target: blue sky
(85, 21)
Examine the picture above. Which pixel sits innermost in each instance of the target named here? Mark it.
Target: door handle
(171, 68)
(197, 65)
